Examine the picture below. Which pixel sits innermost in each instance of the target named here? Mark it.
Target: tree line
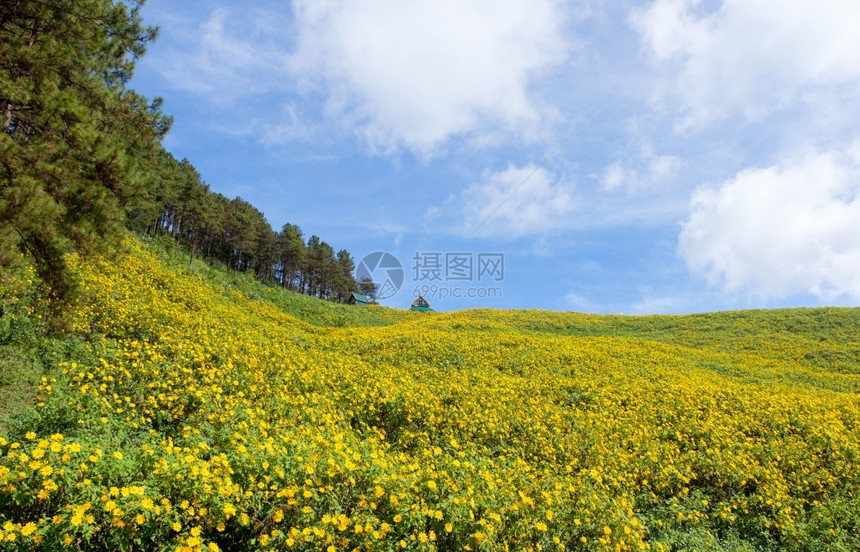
(81, 158)
(180, 204)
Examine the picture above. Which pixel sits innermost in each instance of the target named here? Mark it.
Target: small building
(358, 299)
(420, 304)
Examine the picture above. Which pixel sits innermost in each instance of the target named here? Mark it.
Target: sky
(665, 156)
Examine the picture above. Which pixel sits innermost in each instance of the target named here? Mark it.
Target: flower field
(206, 412)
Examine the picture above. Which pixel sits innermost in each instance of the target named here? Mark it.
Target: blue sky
(667, 156)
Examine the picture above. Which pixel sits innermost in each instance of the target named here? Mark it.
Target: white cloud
(658, 305)
(663, 167)
(616, 175)
(291, 122)
(783, 230)
(405, 75)
(417, 73)
(654, 172)
(233, 53)
(579, 302)
(518, 201)
(432, 213)
(750, 57)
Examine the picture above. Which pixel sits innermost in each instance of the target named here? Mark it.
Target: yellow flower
(496, 407)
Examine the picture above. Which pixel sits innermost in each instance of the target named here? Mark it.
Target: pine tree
(69, 128)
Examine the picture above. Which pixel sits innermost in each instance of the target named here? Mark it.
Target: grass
(193, 408)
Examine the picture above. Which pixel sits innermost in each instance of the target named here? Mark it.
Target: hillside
(195, 408)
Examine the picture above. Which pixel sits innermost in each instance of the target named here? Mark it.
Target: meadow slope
(194, 409)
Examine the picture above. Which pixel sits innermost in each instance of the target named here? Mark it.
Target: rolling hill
(192, 408)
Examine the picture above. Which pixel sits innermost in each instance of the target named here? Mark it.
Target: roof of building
(358, 299)
(420, 304)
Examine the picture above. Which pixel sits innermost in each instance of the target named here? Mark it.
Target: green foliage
(80, 156)
(196, 407)
(307, 308)
(29, 352)
(69, 126)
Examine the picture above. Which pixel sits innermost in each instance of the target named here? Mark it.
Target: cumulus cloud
(518, 201)
(782, 230)
(750, 57)
(403, 75)
(416, 73)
